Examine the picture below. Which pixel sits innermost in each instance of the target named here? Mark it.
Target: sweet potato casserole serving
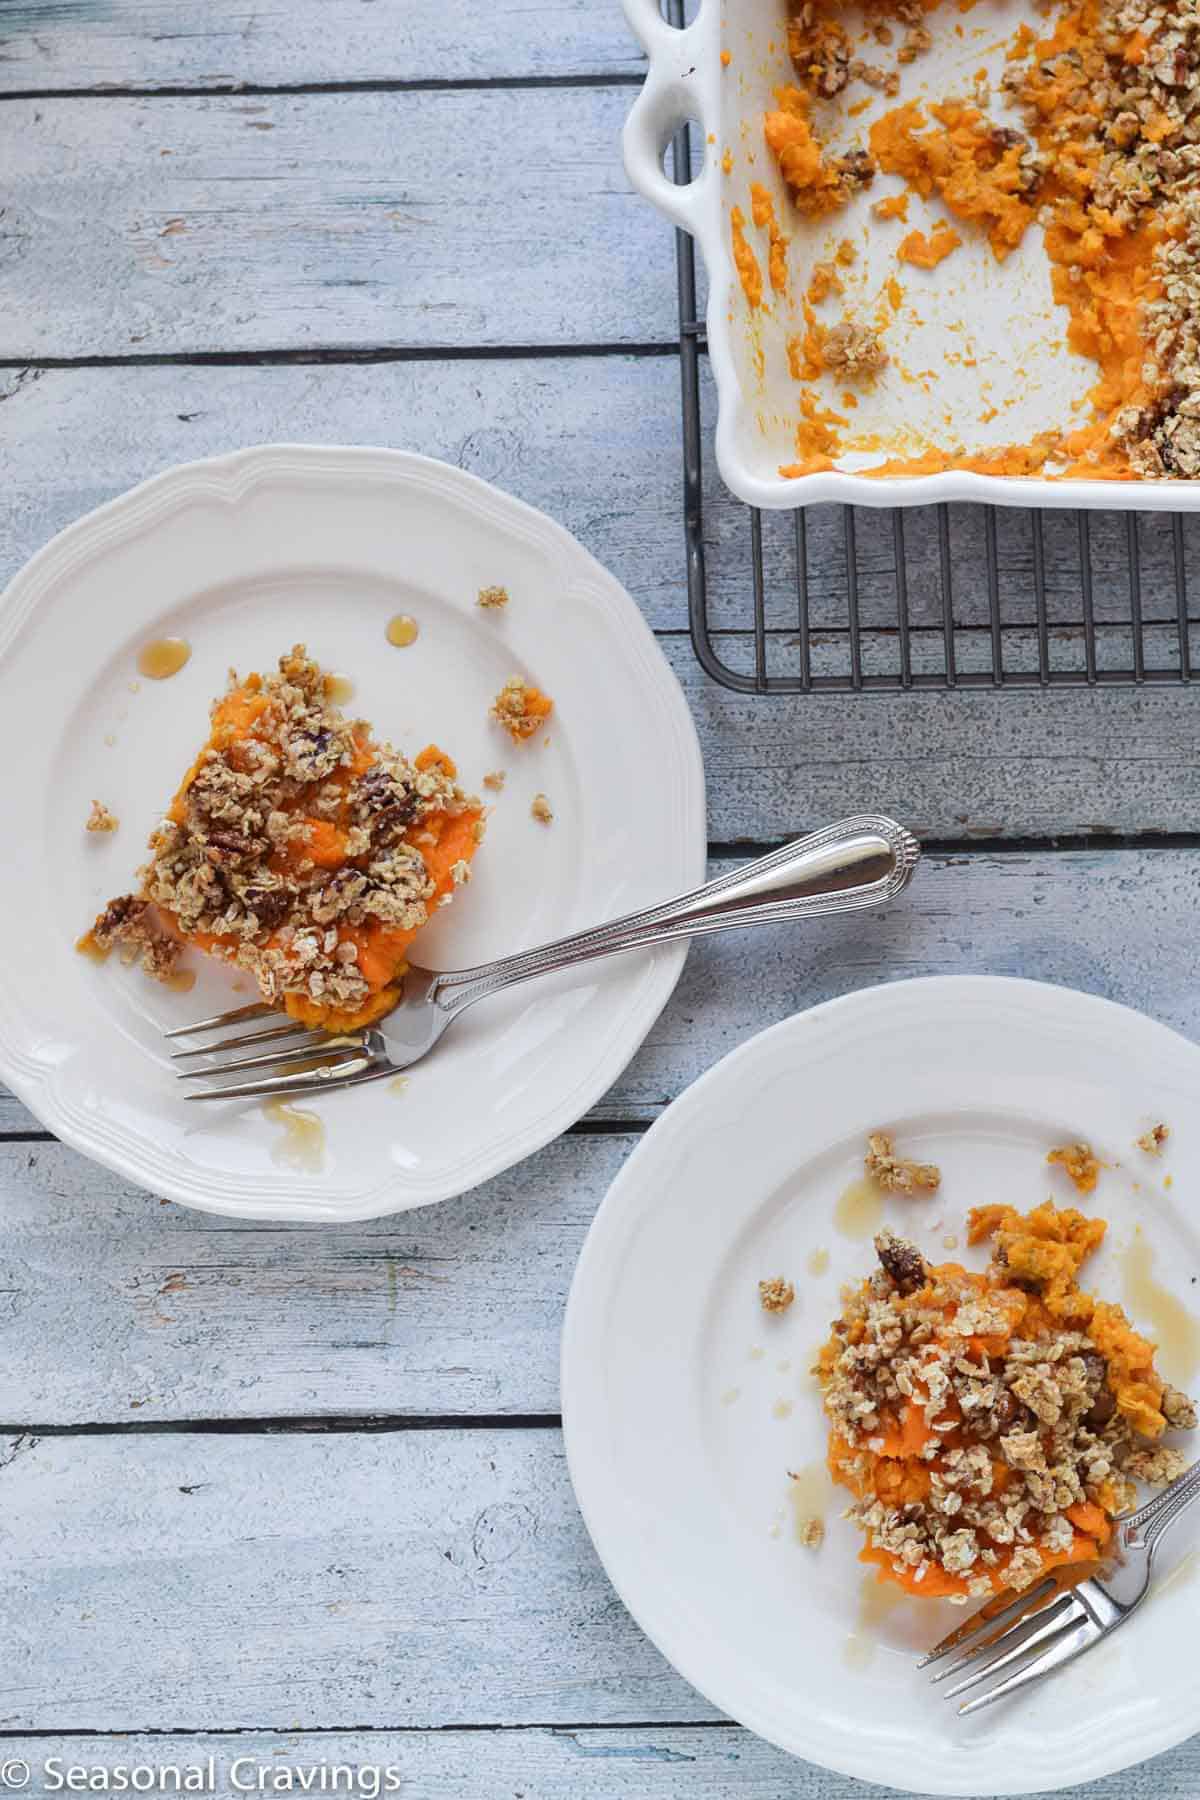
(1090, 141)
(990, 1426)
(299, 849)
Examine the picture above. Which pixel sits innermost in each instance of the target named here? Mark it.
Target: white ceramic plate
(677, 1387)
(244, 556)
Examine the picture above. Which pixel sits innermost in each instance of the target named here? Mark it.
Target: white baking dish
(1002, 316)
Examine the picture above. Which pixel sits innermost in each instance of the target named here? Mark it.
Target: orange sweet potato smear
(964, 161)
(744, 260)
(927, 252)
(762, 211)
(817, 186)
(1046, 1248)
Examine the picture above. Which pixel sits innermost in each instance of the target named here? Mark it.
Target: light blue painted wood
(476, 216)
(280, 43)
(246, 1581)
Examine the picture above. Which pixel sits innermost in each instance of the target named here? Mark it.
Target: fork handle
(858, 863)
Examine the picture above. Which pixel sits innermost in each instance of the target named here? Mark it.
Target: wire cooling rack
(863, 598)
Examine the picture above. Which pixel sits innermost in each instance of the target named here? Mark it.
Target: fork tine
(239, 1014)
(277, 1059)
(1022, 1640)
(997, 1634)
(988, 1617)
(245, 1041)
(305, 1081)
(1063, 1650)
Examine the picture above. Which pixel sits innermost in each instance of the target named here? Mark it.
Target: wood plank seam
(963, 851)
(331, 354)
(251, 90)
(49, 1733)
(279, 1425)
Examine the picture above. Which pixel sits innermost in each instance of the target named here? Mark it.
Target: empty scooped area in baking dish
(977, 351)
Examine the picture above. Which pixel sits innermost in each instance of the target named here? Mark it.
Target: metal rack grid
(842, 598)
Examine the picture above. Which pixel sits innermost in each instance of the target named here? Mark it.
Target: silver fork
(1047, 1627)
(860, 862)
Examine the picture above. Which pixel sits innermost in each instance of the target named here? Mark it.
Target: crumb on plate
(539, 806)
(1151, 1141)
(521, 709)
(100, 819)
(777, 1294)
(810, 1532)
(494, 780)
(491, 598)
(1081, 1164)
(895, 1174)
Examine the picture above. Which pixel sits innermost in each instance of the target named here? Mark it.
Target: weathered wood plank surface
(220, 43)
(325, 220)
(113, 1307)
(607, 469)
(713, 1762)
(594, 442)
(187, 1581)
(958, 765)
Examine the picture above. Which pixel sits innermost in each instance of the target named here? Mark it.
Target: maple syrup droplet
(402, 631)
(339, 689)
(182, 981)
(163, 658)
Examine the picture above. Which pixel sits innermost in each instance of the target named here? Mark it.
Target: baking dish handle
(670, 96)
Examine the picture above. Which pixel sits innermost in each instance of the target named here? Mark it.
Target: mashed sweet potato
(986, 1424)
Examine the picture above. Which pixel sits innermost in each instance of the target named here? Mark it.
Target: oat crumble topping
(100, 819)
(776, 1295)
(990, 1426)
(300, 850)
(893, 1173)
(853, 350)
